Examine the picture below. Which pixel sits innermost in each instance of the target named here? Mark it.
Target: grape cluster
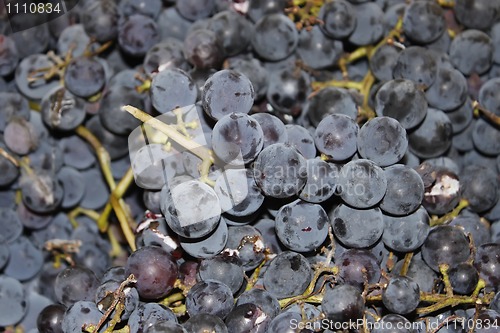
(263, 166)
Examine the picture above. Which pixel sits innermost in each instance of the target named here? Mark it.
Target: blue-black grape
(147, 315)
(302, 226)
(472, 224)
(477, 14)
(433, 136)
(322, 180)
(292, 99)
(155, 271)
(137, 34)
(471, 51)
(336, 136)
(362, 183)
(405, 190)
(417, 64)
(402, 100)
(149, 8)
(318, 51)
(50, 319)
(300, 138)
(205, 323)
(357, 228)
(463, 278)
(487, 263)
(265, 300)
(423, 22)
(203, 49)
(237, 138)
(280, 171)
(273, 128)
(357, 266)
(226, 92)
(191, 208)
(224, 268)
(343, 303)
(61, 110)
(247, 242)
(401, 295)
(105, 293)
(238, 193)
(288, 275)
(247, 317)
(9, 55)
(382, 140)
(13, 301)
(10, 224)
(164, 55)
(478, 186)
(445, 245)
(449, 90)
(172, 89)
(406, 233)
(393, 323)
(209, 245)
(210, 297)
(339, 19)
(84, 77)
(383, 60)
(75, 284)
(331, 100)
(275, 37)
(369, 24)
(195, 9)
(233, 30)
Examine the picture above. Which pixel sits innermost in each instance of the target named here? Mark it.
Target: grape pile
(251, 166)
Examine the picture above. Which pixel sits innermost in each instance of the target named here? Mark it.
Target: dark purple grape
(463, 278)
(424, 21)
(302, 226)
(328, 101)
(84, 77)
(288, 275)
(402, 100)
(343, 303)
(210, 297)
(172, 89)
(471, 51)
(433, 136)
(203, 49)
(154, 270)
(401, 295)
(100, 20)
(369, 24)
(339, 19)
(227, 92)
(202, 323)
(237, 139)
(50, 319)
(275, 37)
(417, 64)
(75, 284)
(137, 34)
(336, 136)
(9, 55)
(280, 171)
(247, 317)
(445, 245)
(487, 262)
(357, 266)
(147, 315)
